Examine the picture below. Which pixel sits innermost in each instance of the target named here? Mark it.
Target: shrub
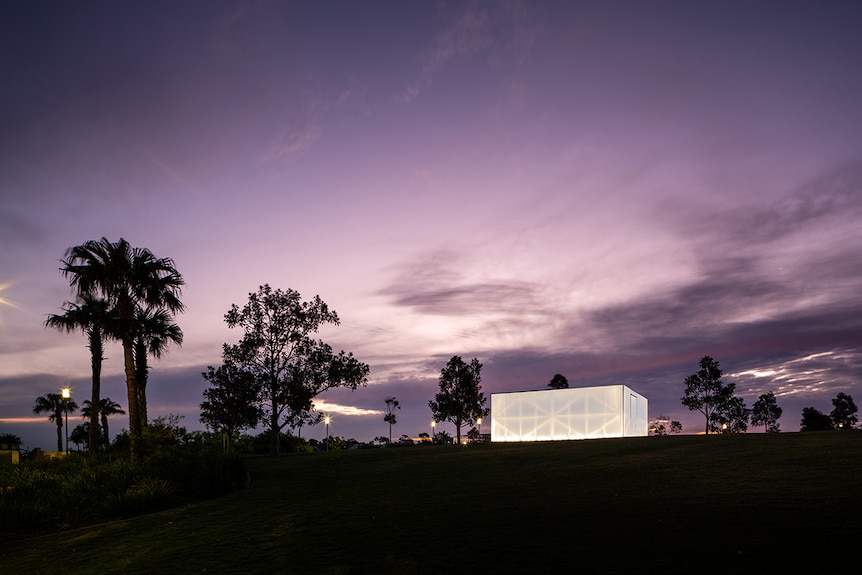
(81, 489)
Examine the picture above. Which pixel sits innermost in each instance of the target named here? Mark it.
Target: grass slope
(722, 504)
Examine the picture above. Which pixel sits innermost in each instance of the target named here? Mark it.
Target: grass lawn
(753, 503)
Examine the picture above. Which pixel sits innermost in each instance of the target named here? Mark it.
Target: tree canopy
(706, 393)
(766, 412)
(106, 407)
(231, 404)
(844, 412)
(390, 416)
(559, 381)
(730, 417)
(815, 420)
(94, 317)
(289, 366)
(662, 425)
(128, 279)
(460, 399)
(56, 407)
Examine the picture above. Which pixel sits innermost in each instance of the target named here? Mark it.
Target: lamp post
(479, 423)
(433, 425)
(326, 421)
(66, 393)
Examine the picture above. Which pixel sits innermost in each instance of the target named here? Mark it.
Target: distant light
(326, 420)
(67, 393)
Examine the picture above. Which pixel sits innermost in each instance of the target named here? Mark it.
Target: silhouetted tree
(155, 330)
(442, 438)
(128, 279)
(460, 399)
(766, 412)
(705, 392)
(815, 420)
(55, 406)
(730, 417)
(662, 426)
(81, 435)
(107, 407)
(94, 317)
(10, 441)
(231, 404)
(289, 366)
(559, 382)
(389, 417)
(844, 412)
(306, 417)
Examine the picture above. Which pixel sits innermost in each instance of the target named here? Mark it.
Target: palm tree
(155, 331)
(106, 407)
(94, 318)
(54, 405)
(128, 278)
(11, 440)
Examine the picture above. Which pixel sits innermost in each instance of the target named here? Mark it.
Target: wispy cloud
(447, 283)
(168, 171)
(328, 407)
(297, 135)
(480, 28)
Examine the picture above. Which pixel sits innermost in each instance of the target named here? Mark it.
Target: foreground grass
(722, 504)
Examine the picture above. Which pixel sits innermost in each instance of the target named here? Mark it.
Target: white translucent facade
(573, 413)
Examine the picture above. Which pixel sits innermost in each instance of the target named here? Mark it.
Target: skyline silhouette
(607, 192)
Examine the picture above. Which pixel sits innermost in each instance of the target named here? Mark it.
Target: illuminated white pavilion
(572, 413)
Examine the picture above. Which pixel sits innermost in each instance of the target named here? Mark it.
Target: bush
(288, 443)
(80, 489)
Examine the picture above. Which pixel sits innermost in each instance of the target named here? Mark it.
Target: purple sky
(607, 190)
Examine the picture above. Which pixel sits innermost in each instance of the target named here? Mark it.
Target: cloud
(494, 28)
(328, 407)
(168, 171)
(441, 283)
(297, 135)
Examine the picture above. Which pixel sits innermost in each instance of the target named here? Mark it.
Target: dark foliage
(177, 468)
(815, 420)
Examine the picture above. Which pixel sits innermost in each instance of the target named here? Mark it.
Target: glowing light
(574, 413)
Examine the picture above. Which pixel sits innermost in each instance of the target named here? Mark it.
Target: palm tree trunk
(105, 429)
(59, 431)
(140, 355)
(96, 354)
(132, 394)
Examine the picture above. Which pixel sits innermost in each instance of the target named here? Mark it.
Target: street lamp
(433, 425)
(66, 393)
(479, 423)
(326, 421)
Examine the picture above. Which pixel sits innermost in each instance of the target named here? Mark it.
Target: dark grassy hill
(689, 504)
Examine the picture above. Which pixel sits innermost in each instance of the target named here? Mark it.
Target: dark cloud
(438, 284)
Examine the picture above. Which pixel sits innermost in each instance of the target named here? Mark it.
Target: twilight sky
(607, 190)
